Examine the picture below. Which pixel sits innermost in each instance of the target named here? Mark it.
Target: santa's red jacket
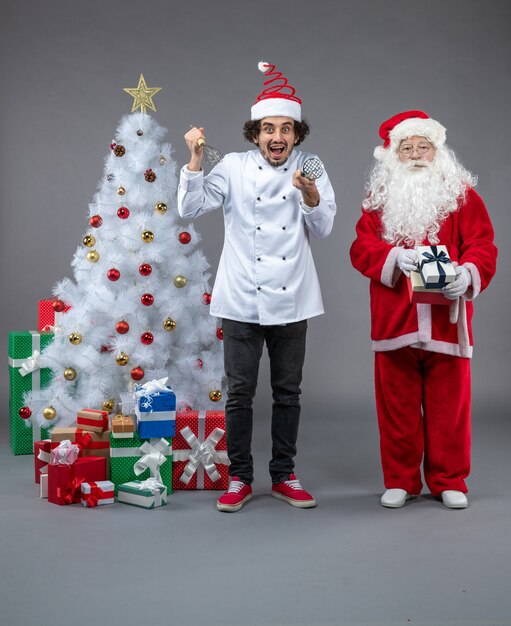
(395, 322)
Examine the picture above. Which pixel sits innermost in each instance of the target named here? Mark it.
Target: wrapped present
(148, 494)
(91, 443)
(64, 481)
(43, 486)
(140, 458)
(65, 453)
(200, 451)
(26, 375)
(123, 426)
(41, 458)
(420, 294)
(155, 409)
(435, 266)
(93, 420)
(47, 317)
(97, 493)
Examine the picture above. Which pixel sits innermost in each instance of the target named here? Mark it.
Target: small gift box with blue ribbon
(155, 409)
(435, 266)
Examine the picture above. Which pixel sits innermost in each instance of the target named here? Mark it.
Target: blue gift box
(156, 413)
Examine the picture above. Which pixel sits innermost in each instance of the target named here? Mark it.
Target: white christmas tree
(139, 303)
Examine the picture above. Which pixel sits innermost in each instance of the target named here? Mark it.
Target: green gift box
(24, 347)
(139, 459)
(148, 494)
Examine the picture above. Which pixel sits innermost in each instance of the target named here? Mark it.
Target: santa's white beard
(414, 201)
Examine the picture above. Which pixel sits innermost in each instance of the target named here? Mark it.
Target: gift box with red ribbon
(64, 481)
(200, 451)
(93, 420)
(97, 493)
(41, 458)
(47, 317)
(91, 444)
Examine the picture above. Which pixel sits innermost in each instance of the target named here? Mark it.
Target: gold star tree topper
(142, 95)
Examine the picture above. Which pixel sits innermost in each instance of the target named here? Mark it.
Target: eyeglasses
(407, 150)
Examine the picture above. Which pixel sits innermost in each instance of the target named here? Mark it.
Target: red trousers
(423, 406)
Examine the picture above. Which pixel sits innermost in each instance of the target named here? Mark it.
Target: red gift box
(47, 317)
(93, 420)
(41, 458)
(199, 451)
(64, 481)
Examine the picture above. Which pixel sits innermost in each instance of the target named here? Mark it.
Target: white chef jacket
(266, 273)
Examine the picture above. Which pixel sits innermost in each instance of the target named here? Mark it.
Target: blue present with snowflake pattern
(155, 409)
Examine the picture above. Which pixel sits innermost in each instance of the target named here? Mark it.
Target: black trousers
(243, 346)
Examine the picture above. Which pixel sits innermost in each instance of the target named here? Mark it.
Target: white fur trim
(262, 66)
(389, 275)
(475, 288)
(424, 322)
(443, 347)
(276, 107)
(429, 128)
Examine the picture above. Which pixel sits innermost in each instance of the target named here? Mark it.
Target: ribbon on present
(151, 388)
(45, 457)
(68, 492)
(440, 258)
(65, 453)
(154, 485)
(96, 494)
(31, 364)
(153, 458)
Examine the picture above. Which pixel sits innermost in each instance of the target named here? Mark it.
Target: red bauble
(95, 221)
(122, 327)
(145, 269)
(206, 298)
(185, 237)
(123, 212)
(58, 306)
(147, 338)
(147, 299)
(199, 363)
(113, 274)
(106, 348)
(137, 373)
(25, 412)
(220, 332)
(112, 146)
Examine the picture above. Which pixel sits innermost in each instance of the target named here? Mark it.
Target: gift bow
(436, 257)
(31, 364)
(154, 485)
(95, 494)
(68, 492)
(150, 388)
(65, 453)
(153, 458)
(201, 454)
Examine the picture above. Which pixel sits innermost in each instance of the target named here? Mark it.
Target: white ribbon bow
(31, 364)
(153, 458)
(151, 387)
(153, 485)
(201, 454)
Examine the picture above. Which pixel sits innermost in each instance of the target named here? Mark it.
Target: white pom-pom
(262, 66)
(380, 153)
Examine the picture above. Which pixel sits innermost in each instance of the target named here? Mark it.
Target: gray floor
(347, 562)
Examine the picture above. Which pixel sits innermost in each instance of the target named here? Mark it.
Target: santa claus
(420, 194)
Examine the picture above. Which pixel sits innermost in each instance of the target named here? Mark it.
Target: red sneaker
(291, 491)
(235, 497)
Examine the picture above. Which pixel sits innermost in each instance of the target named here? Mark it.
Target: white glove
(459, 286)
(407, 260)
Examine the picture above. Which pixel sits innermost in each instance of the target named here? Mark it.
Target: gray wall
(63, 67)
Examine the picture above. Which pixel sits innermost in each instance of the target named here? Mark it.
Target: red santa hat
(405, 125)
(278, 98)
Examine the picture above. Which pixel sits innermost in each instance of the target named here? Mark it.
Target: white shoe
(454, 499)
(394, 498)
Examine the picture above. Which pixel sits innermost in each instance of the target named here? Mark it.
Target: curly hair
(252, 128)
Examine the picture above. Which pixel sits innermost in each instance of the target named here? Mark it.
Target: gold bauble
(163, 160)
(89, 241)
(179, 281)
(108, 405)
(121, 191)
(49, 413)
(122, 358)
(75, 338)
(69, 373)
(169, 324)
(93, 256)
(147, 236)
(215, 395)
(160, 207)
